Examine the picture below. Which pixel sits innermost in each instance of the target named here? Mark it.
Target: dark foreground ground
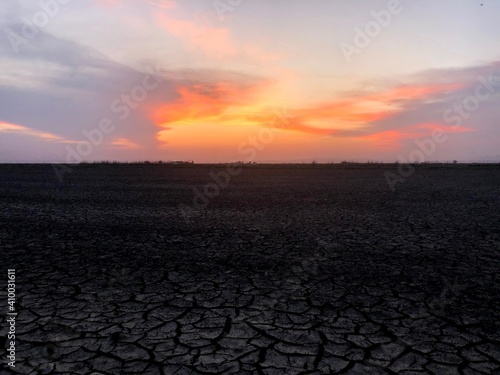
(312, 270)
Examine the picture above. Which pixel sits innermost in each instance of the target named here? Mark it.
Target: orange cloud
(6, 127)
(360, 110)
(225, 103)
(365, 108)
(294, 125)
(355, 110)
(228, 102)
(285, 121)
(202, 102)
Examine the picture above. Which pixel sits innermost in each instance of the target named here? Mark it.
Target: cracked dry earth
(311, 270)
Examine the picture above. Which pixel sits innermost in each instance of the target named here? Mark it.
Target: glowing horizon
(215, 82)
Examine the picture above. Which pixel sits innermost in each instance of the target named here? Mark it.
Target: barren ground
(289, 270)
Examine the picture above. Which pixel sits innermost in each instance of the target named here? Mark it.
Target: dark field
(289, 270)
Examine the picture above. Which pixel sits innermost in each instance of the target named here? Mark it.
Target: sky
(249, 80)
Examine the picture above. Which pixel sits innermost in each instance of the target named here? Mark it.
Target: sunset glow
(188, 80)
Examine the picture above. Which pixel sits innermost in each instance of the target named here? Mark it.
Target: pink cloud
(124, 144)
(6, 127)
(215, 42)
(391, 139)
(162, 4)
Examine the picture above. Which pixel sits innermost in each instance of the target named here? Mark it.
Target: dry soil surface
(287, 270)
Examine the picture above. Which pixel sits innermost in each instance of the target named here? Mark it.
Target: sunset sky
(249, 80)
